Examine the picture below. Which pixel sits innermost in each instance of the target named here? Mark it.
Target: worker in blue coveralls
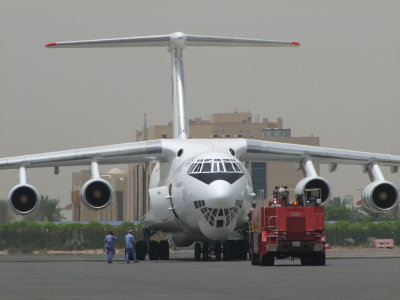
(109, 246)
(130, 247)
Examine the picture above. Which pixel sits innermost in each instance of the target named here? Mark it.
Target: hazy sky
(340, 85)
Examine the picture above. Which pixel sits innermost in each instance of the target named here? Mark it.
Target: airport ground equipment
(284, 229)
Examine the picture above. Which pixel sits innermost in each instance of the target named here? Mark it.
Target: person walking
(130, 247)
(109, 246)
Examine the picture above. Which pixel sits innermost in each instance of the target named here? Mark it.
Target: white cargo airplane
(200, 190)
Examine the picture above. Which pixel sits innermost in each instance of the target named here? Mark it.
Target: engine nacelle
(314, 182)
(96, 193)
(380, 196)
(23, 198)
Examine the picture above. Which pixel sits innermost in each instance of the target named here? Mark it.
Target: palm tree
(47, 211)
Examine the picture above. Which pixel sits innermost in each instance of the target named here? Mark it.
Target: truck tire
(255, 259)
(318, 259)
(267, 260)
(305, 260)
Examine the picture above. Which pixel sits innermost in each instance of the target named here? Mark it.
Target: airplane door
(161, 204)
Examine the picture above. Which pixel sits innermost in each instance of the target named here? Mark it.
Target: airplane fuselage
(208, 192)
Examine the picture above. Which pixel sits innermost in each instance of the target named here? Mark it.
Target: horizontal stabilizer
(174, 40)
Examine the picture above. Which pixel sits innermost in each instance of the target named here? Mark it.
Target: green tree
(5, 212)
(48, 211)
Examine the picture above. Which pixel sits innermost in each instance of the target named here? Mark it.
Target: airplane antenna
(175, 43)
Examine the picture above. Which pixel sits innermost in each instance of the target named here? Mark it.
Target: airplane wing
(256, 150)
(380, 195)
(112, 154)
(96, 192)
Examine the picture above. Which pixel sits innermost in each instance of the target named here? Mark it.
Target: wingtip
(295, 43)
(50, 45)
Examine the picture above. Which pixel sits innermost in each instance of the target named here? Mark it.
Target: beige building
(113, 212)
(220, 125)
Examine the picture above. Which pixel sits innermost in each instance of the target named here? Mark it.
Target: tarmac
(359, 273)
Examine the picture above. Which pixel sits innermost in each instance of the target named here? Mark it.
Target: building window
(259, 177)
(119, 197)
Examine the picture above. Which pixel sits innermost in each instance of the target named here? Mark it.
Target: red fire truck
(285, 229)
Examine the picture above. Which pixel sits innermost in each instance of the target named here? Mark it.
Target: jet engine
(96, 193)
(380, 196)
(314, 182)
(23, 198)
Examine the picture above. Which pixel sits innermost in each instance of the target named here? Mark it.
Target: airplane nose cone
(221, 194)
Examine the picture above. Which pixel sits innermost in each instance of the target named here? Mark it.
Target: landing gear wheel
(205, 251)
(141, 249)
(154, 250)
(197, 251)
(228, 250)
(164, 250)
(242, 249)
(218, 252)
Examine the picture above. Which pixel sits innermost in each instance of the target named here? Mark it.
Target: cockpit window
(215, 166)
(228, 167)
(206, 167)
(197, 168)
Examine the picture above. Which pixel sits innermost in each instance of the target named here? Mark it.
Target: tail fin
(175, 42)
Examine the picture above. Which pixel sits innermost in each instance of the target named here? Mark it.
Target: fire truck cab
(284, 229)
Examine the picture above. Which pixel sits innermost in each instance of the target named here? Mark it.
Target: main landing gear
(156, 250)
(229, 250)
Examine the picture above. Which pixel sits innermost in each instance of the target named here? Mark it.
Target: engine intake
(380, 196)
(314, 182)
(96, 193)
(23, 198)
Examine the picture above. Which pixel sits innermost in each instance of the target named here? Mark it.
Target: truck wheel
(318, 260)
(305, 260)
(197, 251)
(255, 259)
(267, 260)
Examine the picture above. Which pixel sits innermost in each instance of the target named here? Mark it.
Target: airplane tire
(164, 250)
(218, 253)
(141, 249)
(228, 250)
(242, 249)
(154, 250)
(197, 251)
(205, 251)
